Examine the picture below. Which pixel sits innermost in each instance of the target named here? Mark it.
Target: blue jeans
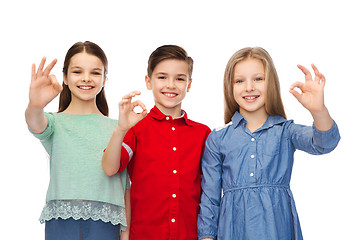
(70, 229)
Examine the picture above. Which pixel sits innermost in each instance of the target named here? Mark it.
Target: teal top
(75, 144)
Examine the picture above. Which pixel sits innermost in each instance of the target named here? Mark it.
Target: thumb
(296, 94)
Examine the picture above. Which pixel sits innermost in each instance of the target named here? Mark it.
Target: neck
(174, 112)
(254, 119)
(82, 107)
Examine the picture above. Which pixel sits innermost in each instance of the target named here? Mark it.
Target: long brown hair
(93, 49)
(273, 102)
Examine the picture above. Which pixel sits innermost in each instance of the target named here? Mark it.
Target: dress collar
(270, 122)
(158, 115)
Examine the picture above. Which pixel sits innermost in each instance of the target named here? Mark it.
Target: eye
(181, 79)
(239, 81)
(161, 77)
(259, 79)
(76, 72)
(96, 73)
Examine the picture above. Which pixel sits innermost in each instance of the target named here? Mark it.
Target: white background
(326, 188)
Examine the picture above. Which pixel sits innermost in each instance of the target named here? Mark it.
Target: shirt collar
(270, 122)
(157, 114)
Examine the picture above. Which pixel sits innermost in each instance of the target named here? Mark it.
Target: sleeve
(127, 149)
(313, 141)
(211, 186)
(128, 184)
(45, 137)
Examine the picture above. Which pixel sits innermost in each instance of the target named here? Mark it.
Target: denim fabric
(70, 229)
(253, 171)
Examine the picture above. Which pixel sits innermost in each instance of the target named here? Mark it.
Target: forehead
(249, 66)
(172, 66)
(85, 60)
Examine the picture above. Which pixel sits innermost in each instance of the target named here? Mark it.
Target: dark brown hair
(168, 52)
(273, 102)
(93, 49)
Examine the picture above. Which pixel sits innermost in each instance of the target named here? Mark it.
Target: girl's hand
(43, 87)
(312, 90)
(127, 116)
(124, 235)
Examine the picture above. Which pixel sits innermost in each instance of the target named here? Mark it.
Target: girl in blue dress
(247, 163)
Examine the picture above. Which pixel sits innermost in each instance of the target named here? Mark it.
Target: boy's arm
(127, 119)
(43, 89)
(112, 155)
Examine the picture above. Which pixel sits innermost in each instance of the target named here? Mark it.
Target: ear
(148, 82)
(105, 78)
(189, 85)
(65, 79)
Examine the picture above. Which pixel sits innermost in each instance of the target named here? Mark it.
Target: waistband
(257, 186)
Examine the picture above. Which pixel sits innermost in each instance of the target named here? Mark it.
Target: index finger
(50, 67)
(307, 73)
(131, 95)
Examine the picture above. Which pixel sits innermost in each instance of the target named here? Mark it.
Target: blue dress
(246, 177)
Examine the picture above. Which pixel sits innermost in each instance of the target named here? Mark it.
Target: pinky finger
(33, 74)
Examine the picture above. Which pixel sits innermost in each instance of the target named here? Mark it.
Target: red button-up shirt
(164, 163)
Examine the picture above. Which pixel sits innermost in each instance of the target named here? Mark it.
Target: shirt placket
(252, 158)
(175, 178)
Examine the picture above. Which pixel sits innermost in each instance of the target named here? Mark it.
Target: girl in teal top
(81, 199)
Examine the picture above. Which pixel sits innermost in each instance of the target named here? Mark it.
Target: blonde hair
(273, 102)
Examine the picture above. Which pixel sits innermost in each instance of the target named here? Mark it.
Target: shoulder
(199, 126)
(223, 128)
(220, 133)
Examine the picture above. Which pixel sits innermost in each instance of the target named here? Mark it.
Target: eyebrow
(164, 73)
(254, 75)
(96, 68)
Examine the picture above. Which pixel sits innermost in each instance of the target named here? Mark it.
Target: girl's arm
(127, 119)
(312, 97)
(125, 234)
(43, 89)
(211, 186)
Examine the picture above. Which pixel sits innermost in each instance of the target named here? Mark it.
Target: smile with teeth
(251, 97)
(170, 94)
(85, 87)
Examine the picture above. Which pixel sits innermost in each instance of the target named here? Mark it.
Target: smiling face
(85, 77)
(169, 82)
(249, 86)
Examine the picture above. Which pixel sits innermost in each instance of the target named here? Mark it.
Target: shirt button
(174, 148)
(252, 139)
(174, 195)
(251, 174)
(173, 220)
(173, 128)
(174, 171)
(252, 156)
(167, 118)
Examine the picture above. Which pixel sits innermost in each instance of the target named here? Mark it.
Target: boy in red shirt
(162, 150)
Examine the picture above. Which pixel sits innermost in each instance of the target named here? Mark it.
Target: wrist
(34, 107)
(119, 131)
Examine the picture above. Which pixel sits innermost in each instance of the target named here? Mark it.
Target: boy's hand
(127, 116)
(312, 90)
(43, 87)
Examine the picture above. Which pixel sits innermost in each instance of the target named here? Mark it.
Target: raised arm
(43, 89)
(127, 119)
(312, 97)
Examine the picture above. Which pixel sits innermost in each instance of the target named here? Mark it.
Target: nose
(250, 86)
(171, 83)
(86, 77)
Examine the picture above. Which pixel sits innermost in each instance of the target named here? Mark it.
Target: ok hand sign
(312, 90)
(43, 86)
(127, 117)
